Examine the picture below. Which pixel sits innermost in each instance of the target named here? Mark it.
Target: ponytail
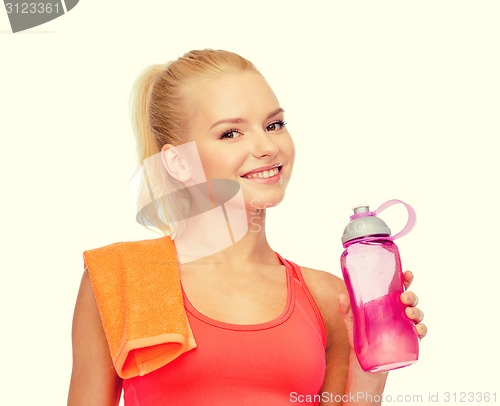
(140, 109)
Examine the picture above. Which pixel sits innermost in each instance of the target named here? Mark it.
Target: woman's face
(238, 127)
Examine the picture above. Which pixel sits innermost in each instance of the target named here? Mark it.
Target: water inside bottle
(388, 339)
(384, 337)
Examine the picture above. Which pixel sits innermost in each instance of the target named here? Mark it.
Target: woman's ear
(175, 163)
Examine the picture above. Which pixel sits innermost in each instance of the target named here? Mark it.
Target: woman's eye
(230, 134)
(277, 125)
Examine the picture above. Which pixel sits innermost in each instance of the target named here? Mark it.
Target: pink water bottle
(384, 337)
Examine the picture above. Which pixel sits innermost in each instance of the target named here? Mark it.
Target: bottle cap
(364, 223)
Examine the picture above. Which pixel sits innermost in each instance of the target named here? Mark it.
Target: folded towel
(137, 289)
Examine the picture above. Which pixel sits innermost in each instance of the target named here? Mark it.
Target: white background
(385, 99)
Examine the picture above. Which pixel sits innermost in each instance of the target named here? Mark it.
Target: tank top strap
(299, 279)
(295, 269)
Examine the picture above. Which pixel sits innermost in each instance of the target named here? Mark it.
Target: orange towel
(137, 288)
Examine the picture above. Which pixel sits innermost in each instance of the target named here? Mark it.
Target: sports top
(271, 363)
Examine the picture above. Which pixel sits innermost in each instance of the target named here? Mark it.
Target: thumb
(345, 306)
(346, 311)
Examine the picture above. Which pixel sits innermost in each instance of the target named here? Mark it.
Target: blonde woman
(267, 331)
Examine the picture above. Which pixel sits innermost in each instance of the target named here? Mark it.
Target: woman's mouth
(265, 174)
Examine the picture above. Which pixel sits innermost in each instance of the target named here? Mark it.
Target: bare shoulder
(324, 286)
(325, 289)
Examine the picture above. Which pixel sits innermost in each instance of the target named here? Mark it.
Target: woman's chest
(247, 364)
(238, 300)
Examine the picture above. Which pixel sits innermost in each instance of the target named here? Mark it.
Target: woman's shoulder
(132, 244)
(325, 289)
(129, 255)
(324, 286)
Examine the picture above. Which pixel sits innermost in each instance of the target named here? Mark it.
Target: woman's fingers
(415, 314)
(409, 298)
(408, 279)
(421, 330)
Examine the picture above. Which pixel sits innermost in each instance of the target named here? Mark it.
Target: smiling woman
(239, 323)
(253, 149)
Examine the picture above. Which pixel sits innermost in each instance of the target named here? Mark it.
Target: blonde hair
(158, 99)
(160, 115)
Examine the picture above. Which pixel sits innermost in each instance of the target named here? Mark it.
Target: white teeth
(263, 174)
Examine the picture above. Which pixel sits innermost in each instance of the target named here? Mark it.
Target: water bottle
(384, 337)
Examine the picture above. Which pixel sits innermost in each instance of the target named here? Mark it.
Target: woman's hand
(408, 298)
(411, 300)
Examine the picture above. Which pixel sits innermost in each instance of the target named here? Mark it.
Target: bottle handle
(412, 217)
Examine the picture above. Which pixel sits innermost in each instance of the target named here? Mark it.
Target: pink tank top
(271, 363)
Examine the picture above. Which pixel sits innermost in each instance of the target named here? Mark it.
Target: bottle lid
(364, 223)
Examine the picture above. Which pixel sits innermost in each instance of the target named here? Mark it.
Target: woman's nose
(264, 145)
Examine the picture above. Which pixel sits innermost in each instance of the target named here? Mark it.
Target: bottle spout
(362, 208)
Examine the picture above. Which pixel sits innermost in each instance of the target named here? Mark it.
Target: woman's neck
(219, 238)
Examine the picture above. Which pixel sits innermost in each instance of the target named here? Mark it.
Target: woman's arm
(344, 378)
(325, 289)
(362, 388)
(93, 380)
(345, 381)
